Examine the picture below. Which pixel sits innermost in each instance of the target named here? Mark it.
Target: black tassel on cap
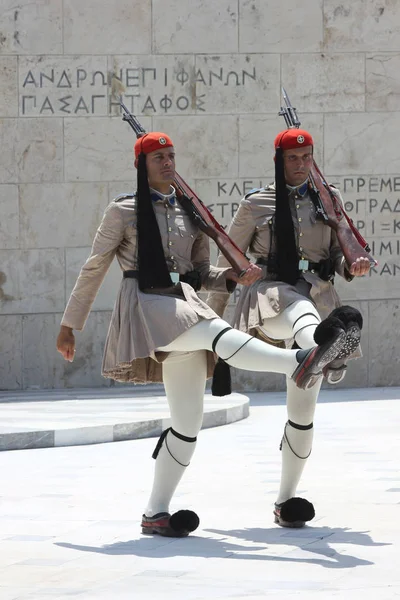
(221, 383)
(153, 269)
(286, 250)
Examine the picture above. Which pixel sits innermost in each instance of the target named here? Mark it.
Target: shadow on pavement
(317, 541)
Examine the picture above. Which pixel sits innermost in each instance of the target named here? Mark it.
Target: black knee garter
(217, 338)
(161, 439)
(301, 428)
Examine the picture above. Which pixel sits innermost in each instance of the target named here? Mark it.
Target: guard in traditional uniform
(160, 330)
(280, 226)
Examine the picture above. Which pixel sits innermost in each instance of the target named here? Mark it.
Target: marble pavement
(70, 516)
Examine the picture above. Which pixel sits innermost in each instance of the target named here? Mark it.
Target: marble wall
(210, 74)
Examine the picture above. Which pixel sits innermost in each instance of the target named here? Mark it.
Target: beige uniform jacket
(142, 322)
(251, 231)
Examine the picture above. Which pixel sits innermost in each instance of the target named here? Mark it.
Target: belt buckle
(175, 277)
(303, 264)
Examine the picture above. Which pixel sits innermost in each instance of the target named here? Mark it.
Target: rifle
(351, 241)
(194, 206)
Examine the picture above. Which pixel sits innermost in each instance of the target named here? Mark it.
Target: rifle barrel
(291, 118)
(131, 119)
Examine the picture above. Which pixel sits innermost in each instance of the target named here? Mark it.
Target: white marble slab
(31, 27)
(362, 25)
(8, 163)
(8, 85)
(205, 27)
(98, 149)
(107, 28)
(382, 83)
(351, 140)
(9, 217)
(200, 153)
(32, 150)
(47, 368)
(325, 82)
(61, 215)
(275, 27)
(384, 364)
(32, 281)
(10, 350)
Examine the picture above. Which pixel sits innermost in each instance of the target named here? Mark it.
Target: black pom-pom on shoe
(297, 509)
(184, 521)
(348, 315)
(328, 330)
(294, 512)
(352, 321)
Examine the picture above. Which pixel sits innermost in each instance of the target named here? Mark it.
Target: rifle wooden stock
(211, 227)
(350, 247)
(350, 243)
(234, 256)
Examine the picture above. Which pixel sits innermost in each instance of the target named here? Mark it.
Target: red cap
(293, 138)
(152, 141)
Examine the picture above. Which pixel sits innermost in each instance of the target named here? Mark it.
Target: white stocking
(238, 349)
(298, 321)
(184, 377)
(297, 443)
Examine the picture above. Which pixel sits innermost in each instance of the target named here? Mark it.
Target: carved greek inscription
(145, 90)
(373, 202)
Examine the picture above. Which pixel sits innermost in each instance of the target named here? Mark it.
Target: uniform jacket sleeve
(212, 278)
(105, 244)
(241, 231)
